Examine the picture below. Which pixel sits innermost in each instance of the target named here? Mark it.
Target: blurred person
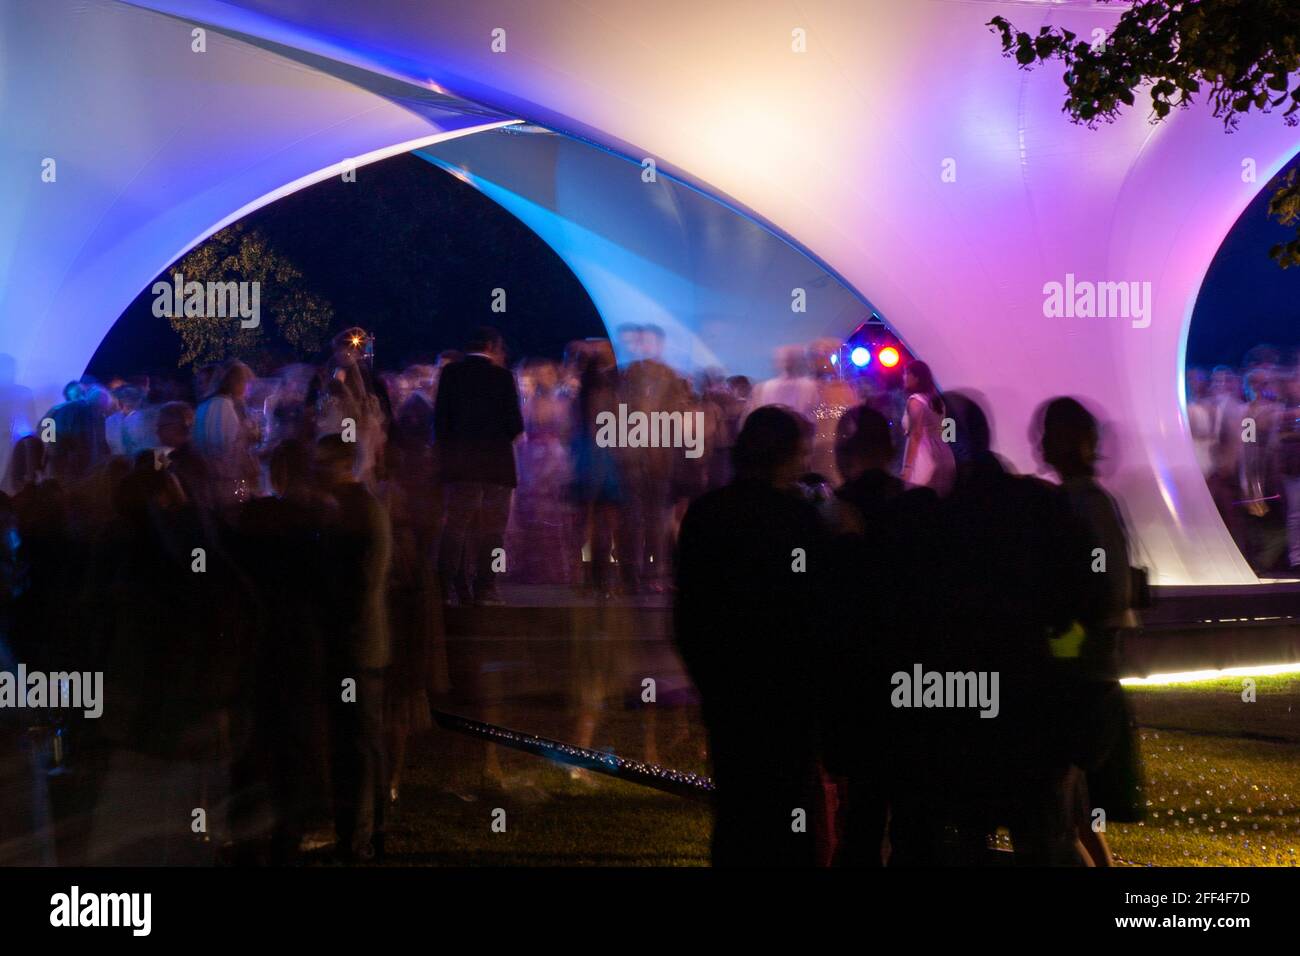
(26, 820)
(793, 386)
(541, 523)
(77, 427)
(1003, 566)
(357, 546)
(352, 394)
(26, 465)
(418, 667)
(279, 542)
(747, 628)
(176, 453)
(884, 535)
(649, 386)
(476, 421)
(723, 410)
(224, 436)
(1201, 418)
(1108, 751)
(122, 428)
(1259, 485)
(834, 397)
(1289, 464)
(927, 458)
(179, 643)
(597, 488)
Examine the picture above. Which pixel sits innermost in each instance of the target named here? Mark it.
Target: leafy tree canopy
(291, 314)
(1241, 55)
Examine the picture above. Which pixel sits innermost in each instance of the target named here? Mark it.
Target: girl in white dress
(927, 458)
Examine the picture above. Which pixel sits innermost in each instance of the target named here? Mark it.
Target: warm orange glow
(888, 356)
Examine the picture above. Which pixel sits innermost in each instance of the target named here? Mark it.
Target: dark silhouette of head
(1070, 434)
(973, 434)
(772, 447)
(175, 424)
(487, 341)
(862, 442)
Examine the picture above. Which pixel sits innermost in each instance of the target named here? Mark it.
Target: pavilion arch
(840, 147)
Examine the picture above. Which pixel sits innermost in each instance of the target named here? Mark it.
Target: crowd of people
(804, 620)
(264, 559)
(1245, 423)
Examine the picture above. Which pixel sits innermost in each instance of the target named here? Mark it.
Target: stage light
(835, 359)
(860, 356)
(888, 356)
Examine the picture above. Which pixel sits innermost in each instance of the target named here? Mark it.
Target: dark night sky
(1247, 298)
(406, 251)
(413, 253)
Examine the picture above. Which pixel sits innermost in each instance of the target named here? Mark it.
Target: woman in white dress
(927, 458)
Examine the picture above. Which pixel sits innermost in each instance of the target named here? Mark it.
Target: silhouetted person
(358, 548)
(1005, 574)
(885, 531)
(476, 420)
(750, 563)
(280, 548)
(174, 628)
(1106, 749)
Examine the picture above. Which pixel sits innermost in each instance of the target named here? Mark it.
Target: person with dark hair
(26, 464)
(78, 445)
(1107, 750)
(886, 534)
(1005, 570)
(927, 458)
(476, 420)
(175, 451)
(864, 449)
(750, 567)
(358, 550)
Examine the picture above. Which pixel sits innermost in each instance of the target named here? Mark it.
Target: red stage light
(888, 356)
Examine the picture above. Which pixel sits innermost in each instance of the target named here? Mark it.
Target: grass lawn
(1222, 775)
(1222, 785)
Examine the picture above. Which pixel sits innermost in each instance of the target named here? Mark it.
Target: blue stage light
(860, 356)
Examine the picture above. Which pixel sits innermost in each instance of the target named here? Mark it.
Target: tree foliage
(1240, 55)
(291, 314)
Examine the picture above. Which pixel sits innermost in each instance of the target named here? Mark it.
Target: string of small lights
(691, 785)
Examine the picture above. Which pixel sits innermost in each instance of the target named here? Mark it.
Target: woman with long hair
(927, 458)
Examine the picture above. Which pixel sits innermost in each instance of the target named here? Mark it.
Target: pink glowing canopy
(886, 140)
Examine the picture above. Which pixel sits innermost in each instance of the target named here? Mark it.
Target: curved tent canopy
(886, 138)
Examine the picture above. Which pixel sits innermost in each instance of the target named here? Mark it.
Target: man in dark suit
(475, 421)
